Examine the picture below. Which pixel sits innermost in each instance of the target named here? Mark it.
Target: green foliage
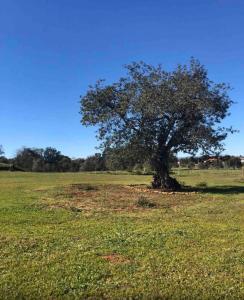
(45, 160)
(1, 150)
(121, 158)
(51, 155)
(25, 158)
(231, 162)
(94, 163)
(215, 162)
(155, 113)
(4, 167)
(202, 165)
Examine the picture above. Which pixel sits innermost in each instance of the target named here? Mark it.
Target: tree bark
(162, 179)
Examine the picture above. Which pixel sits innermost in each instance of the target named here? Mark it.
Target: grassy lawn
(86, 236)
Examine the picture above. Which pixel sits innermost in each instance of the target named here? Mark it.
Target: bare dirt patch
(116, 258)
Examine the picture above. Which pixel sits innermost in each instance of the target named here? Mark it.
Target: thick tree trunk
(162, 179)
(165, 182)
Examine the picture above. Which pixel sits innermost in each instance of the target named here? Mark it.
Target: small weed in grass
(142, 201)
(202, 184)
(90, 188)
(75, 209)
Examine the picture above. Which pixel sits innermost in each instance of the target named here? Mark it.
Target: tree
(76, 164)
(25, 158)
(159, 113)
(231, 162)
(51, 155)
(1, 150)
(37, 165)
(94, 162)
(64, 164)
(121, 158)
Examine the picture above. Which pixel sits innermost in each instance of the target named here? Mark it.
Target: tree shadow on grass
(224, 190)
(218, 189)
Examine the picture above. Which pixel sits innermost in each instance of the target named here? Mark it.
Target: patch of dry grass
(83, 197)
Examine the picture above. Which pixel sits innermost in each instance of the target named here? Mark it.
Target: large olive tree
(157, 113)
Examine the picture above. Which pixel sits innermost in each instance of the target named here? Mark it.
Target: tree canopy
(157, 112)
(1, 150)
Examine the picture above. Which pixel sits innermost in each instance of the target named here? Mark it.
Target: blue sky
(51, 50)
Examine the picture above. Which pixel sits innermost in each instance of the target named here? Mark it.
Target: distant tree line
(208, 162)
(40, 160)
(52, 160)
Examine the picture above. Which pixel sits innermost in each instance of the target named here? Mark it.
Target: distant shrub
(202, 184)
(137, 169)
(191, 165)
(4, 167)
(145, 202)
(202, 166)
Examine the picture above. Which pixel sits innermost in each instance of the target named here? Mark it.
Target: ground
(93, 236)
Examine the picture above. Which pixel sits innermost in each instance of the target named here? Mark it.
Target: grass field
(86, 236)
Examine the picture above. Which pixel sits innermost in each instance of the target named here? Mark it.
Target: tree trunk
(162, 179)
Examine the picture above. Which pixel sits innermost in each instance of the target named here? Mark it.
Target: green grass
(82, 236)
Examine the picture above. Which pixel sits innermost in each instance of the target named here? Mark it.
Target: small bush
(89, 187)
(75, 209)
(145, 202)
(202, 185)
(4, 167)
(85, 187)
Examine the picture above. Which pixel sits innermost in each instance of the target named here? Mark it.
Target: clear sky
(51, 50)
